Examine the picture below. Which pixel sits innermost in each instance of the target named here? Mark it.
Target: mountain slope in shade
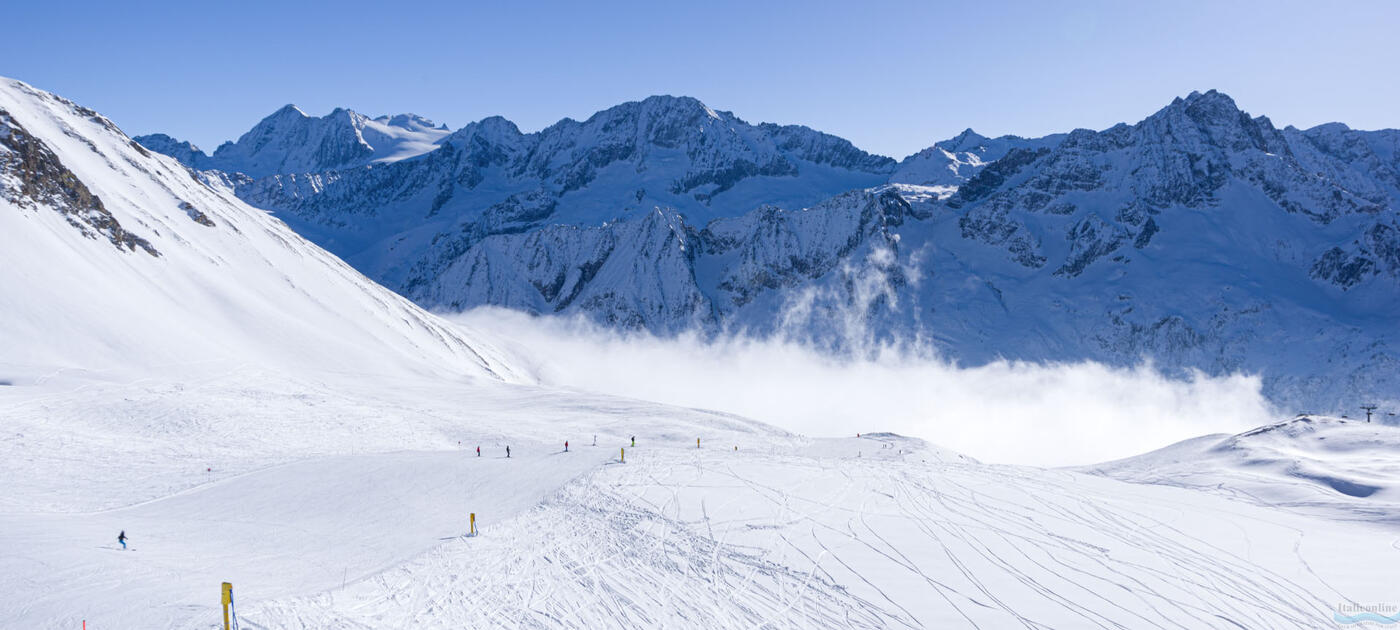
(664, 151)
(118, 258)
(1201, 238)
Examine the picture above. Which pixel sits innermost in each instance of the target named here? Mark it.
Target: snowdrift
(1334, 467)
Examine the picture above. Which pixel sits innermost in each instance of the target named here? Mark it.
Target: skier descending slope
(121, 538)
(566, 446)
(507, 452)
(478, 451)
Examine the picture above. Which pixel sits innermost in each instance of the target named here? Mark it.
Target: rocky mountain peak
(1211, 119)
(285, 114)
(187, 154)
(493, 128)
(968, 140)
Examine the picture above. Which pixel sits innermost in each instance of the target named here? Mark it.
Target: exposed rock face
(196, 215)
(655, 270)
(31, 176)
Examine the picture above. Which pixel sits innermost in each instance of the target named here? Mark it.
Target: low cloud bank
(1004, 412)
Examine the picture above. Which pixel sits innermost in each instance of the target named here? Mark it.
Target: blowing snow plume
(1005, 412)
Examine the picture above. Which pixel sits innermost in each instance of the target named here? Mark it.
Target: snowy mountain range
(1201, 238)
(289, 141)
(183, 368)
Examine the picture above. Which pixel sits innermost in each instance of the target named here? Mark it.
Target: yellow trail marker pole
(227, 600)
(697, 442)
(624, 456)
(473, 532)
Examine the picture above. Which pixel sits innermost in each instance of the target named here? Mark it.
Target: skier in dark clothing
(507, 452)
(121, 538)
(634, 441)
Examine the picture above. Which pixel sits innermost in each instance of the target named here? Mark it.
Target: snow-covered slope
(874, 532)
(117, 258)
(1342, 469)
(821, 537)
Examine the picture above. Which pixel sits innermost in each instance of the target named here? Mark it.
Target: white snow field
(283, 488)
(1333, 467)
(182, 367)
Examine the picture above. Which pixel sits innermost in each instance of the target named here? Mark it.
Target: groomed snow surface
(335, 506)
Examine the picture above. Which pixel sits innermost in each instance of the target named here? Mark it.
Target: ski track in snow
(335, 506)
(715, 538)
(332, 505)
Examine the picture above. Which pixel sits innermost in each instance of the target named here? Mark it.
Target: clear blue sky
(893, 77)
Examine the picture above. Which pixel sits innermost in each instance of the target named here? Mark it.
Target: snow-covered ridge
(115, 257)
(290, 141)
(956, 160)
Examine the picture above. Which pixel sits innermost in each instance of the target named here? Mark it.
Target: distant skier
(566, 446)
(634, 441)
(507, 452)
(121, 538)
(595, 439)
(478, 451)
